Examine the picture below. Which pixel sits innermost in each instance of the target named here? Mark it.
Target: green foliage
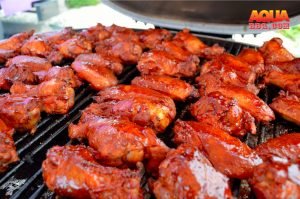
(80, 3)
(293, 33)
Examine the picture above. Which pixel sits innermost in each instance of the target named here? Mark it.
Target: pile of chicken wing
(122, 126)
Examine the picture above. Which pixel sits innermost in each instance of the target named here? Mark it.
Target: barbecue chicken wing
(8, 153)
(91, 68)
(195, 46)
(276, 180)
(74, 47)
(273, 51)
(120, 142)
(286, 147)
(286, 81)
(20, 112)
(65, 74)
(227, 154)
(72, 171)
(11, 47)
(142, 105)
(287, 107)
(96, 33)
(175, 88)
(254, 58)
(286, 67)
(152, 37)
(158, 62)
(225, 113)
(56, 97)
(21, 69)
(186, 173)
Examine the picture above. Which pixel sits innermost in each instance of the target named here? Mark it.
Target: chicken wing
(273, 51)
(158, 62)
(225, 113)
(186, 173)
(254, 58)
(30, 62)
(20, 112)
(287, 67)
(287, 107)
(8, 153)
(175, 88)
(152, 37)
(99, 76)
(65, 74)
(56, 97)
(96, 33)
(285, 147)
(276, 180)
(287, 81)
(72, 171)
(227, 154)
(11, 47)
(74, 47)
(120, 142)
(195, 46)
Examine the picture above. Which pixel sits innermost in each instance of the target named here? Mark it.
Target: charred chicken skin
(120, 142)
(72, 171)
(152, 37)
(96, 33)
(186, 173)
(276, 180)
(8, 153)
(286, 147)
(175, 88)
(65, 74)
(195, 46)
(286, 81)
(225, 113)
(287, 107)
(11, 47)
(226, 153)
(159, 62)
(94, 71)
(141, 105)
(273, 51)
(20, 112)
(56, 97)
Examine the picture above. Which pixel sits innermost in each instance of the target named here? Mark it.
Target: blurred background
(48, 15)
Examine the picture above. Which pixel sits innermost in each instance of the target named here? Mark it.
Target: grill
(24, 179)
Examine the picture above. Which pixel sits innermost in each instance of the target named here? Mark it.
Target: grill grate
(24, 179)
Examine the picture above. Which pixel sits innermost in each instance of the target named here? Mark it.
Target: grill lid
(217, 17)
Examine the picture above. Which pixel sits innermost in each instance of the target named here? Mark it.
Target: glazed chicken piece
(195, 46)
(124, 43)
(120, 142)
(11, 47)
(152, 37)
(58, 73)
(96, 33)
(74, 47)
(276, 180)
(72, 171)
(226, 153)
(286, 81)
(224, 113)
(21, 69)
(287, 107)
(254, 58)
(187, 173)
(56, 97)
(158, 62)
(91, 68)
(286, 67)
(273, 51)
(20, 112)
(175, 88)
(247, 100)
(286, 147)
(8, 153)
